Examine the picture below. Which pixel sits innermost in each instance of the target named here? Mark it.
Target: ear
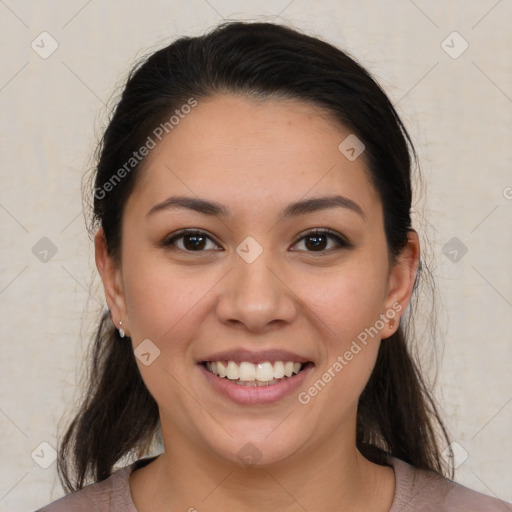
(112, 281)
(401, 282)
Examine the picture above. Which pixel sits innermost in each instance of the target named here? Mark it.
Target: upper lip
(239, 355)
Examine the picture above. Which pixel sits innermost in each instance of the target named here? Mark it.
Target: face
(258, 282)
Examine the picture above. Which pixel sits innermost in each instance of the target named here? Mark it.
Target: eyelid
(169, 241)
(342, 241)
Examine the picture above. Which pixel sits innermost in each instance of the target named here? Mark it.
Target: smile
(260, 385)
(249, 374)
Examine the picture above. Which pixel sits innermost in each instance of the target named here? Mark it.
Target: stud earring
(391, 324)
(121, 330)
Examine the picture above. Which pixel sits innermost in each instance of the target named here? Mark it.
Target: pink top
(416, 490)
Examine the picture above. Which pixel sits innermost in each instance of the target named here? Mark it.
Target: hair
(397, 414)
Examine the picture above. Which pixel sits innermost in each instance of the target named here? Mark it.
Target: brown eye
(318, 241)
(191, 241)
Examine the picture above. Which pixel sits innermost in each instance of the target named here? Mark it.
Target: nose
(256, 296)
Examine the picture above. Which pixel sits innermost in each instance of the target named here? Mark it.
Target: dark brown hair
(118, 417)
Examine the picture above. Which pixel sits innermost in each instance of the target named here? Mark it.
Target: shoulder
(110, 495)
(100, 496)
(97, 495)
(429, 492)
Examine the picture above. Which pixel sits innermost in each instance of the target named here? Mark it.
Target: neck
(188, 477)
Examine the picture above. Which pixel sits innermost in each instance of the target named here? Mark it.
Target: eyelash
(342, 242)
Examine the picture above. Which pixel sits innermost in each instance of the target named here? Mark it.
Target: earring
(391, 324)
(121, 330)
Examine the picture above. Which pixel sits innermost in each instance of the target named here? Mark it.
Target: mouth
(262, 374)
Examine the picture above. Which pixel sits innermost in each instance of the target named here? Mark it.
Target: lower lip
(255, 395)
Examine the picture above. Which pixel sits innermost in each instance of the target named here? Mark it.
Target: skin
(255, 157)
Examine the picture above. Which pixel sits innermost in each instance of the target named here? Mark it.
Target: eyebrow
(293, 209)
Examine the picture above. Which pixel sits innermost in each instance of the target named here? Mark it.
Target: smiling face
(254, 277)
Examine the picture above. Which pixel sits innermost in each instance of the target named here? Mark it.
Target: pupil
(318, 241)
(196, 244)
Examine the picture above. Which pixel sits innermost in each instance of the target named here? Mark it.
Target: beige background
(458, 111)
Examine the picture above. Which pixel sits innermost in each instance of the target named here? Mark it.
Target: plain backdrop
(447, 68)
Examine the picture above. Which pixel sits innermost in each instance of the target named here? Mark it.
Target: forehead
(239, 150)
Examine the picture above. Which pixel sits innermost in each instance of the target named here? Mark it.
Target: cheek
(346, 304)
(161, 299)
(165, 304)
(346, 309)
(347, 299)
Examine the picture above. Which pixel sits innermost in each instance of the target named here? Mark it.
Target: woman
(252, 198)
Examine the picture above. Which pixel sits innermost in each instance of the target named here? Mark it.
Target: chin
(257, 450)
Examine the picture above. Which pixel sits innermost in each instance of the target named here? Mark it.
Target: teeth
(221, 369)
(232, 372)
(246, 373)
(278, 370)
(264, 372)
